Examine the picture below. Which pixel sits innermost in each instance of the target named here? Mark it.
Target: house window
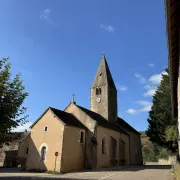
(82, 137)
(104, 145)
(43, 153)
(46, 128)
(27, 150)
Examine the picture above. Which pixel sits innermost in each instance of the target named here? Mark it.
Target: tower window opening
(99, 90)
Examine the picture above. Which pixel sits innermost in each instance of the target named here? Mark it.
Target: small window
(46, 128)
(27, 150)
(97, 91)
(104, 145)
(82, 137)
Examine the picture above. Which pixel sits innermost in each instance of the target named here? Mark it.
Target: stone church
(77, 138)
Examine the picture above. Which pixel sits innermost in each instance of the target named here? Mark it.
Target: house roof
(103, 75)
(126, 126)
(102, 121)
(66, 118)
(172, 10)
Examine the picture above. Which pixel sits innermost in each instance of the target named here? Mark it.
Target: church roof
(65, 117)
(126, 126)
(102, 121)
(103, 75)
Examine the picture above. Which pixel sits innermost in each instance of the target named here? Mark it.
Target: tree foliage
(161, 128)
(12, 95)
(152, 152)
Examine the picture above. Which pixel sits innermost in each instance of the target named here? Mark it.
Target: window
(27, 150)
(46, 128)
(82, 137)
(43, 153)
(104, 145)
(98, 91)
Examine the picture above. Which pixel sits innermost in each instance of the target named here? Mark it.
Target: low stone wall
(168, 161)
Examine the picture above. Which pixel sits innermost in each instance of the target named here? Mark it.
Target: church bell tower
(104, 93)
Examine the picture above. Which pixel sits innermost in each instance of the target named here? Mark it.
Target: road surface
(129, 173)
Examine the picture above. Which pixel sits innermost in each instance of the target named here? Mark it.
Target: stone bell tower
(104, 93)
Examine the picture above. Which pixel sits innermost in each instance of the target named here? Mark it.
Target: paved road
(131, 173)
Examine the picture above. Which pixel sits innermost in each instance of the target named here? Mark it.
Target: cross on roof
(73, 95)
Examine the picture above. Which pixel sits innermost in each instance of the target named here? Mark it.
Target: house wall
(91, 150)
(23, 151)
(8, 155)
(81, 116)
(52, 140)
(73, 151)
(105, 160)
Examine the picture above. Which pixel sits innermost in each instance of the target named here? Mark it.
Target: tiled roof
(126, 126)
(102, 121)
(67, 118)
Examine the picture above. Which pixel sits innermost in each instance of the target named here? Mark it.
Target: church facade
(78, 138)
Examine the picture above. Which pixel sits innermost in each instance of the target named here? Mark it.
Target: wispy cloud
(122, 88)
(150, 90)
(45, 15)
(156, 78)
(141, 78)
(151, 84)
(22, 128)
(145, 106)
(131, 111)
(108, 28)
(151, 65)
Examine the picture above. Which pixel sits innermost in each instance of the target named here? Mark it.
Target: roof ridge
(128, 125)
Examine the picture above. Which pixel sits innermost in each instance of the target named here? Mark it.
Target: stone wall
(8, 155)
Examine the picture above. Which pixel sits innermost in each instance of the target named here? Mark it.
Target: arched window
(43, 153)
(104, 145)
(82, 137)
(45, 128)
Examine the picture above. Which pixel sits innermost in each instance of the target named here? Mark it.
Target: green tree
(12, 95)
(161, 124)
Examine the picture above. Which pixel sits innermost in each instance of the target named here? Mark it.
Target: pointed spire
(103, 75)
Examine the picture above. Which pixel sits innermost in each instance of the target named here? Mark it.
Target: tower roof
(103, 75)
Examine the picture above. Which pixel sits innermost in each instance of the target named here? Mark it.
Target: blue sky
(57, 45)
